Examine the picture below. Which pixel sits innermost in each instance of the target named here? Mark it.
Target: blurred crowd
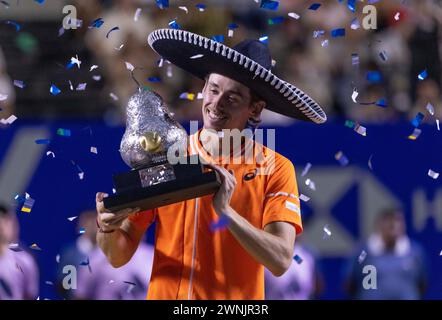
(405, 43)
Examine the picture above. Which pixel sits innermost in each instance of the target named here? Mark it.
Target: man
(401, 272)
(18, 270)
(262, 210)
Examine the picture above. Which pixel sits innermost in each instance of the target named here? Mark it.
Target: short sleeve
(281, 199)
(143, 219)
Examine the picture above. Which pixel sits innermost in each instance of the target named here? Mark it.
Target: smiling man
(260, 208)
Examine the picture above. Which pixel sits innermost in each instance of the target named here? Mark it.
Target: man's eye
(214, 91)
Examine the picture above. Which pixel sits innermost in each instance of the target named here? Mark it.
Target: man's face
(7, 229)
(392, 227)
(226, 104)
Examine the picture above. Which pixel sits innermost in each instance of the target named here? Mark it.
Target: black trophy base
(181, 182)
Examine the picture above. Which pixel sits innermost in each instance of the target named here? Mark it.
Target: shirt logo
(250, 175)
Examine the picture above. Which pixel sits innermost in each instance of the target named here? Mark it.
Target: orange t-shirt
(191, 261)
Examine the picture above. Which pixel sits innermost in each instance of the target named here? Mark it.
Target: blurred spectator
(18, 271)
(96, 278)
(302, 281)
(7, 106)
(401, 272)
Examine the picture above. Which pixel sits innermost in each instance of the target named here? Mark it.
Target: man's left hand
(221, 199)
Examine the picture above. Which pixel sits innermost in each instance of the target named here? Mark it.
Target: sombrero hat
(249, 63)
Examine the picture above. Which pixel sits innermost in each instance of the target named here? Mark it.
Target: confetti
(306, 169)
(29, 203)
(187, 96)
(81, 231)
(370, 165)
(310, 184)
(154, 79)
(221, 224)
(293, 15)
(275, 20)
(264, 39)
(81, 175)
(15, 24)
(49, 283)
(433, 174)
(184, 9)
(54, 90)
(314, 6)
(318, 33)
(197, 56)
(3, 97)
(416, 133)
(19, 83)
(111, 30)
(422, 75)
(64, 132)
(341, 158)
(162, 4)
(417, 119)
(93, 68)
(298, 259)
(351, 4)
(383, 55)
(430, 109)
(437, 123)
(218, 38)
(335, 33)
(324, 43)
(381, 103)
(15, 247)
(231, 27)
(50, 153)
(72, 218)
(174, 25)
(81, 87)
(354, 24)
(199, 96)
(269, 4)
(304, 198)
(40, 1)
(70, 85)
(354, 59)
(9, 120)
(97, 23)
(201, 7)
(137, 14)
(96, 78)
(374, 76)
(169, 72)
(74, 60)
(35, 247)
(113, 96)
(354, 95)
(94, 150)
(349, 124)
(362, 256)
(120, 47)
(397, 16)
(57, 258)
(327, 232)
(361, 130)
(42, 141)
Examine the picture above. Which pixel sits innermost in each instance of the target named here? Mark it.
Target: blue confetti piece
(81, 231)
(318, 33)
(40, 1)
(351, 4)
(19, 83)
(338, 32)
(97, 23)
(113, 29)
(15, 24)
(418, 119)
(269, 4)
(54, 90)
(314, 6)
(64, 132)
(374, 76)
(162, 4)
(70, 65)
(298, 259)
(174, 25)
(276, 20)
(154, 79)
(422, 75)
(222, 223)
(264, 39)
(341, 158)
(201, 6)
(43, 141)
(381, 103)
(218, 38)
(232, 26)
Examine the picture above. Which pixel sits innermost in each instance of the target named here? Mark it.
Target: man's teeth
(215, 115)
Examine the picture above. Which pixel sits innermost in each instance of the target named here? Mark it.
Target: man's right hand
(109, 221)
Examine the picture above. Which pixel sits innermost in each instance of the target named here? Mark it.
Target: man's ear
(257, 108)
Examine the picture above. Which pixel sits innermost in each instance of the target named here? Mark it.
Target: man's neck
(216, 144)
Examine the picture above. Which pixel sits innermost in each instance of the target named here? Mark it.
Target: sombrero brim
(179, 46)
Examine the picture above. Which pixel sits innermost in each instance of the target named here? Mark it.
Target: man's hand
(110, 221)
(221, 200)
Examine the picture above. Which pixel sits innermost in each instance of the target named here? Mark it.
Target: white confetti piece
(94, 150)
(19, 83)
(3, 97)
(361, 130)
(197, 56)
(93, 68)
(137, 14)
(306, 169)
(370, 165)
(437, 123)
(354, 95)
(304, 198)
(433, 174)
(96, 77)
(324, 43)
(199, 96)
(293, 15)
(9, 120)
(430, 109)
(230, 33)
(310, 184)
(75, 60)
(113, 96)
(362, 256)
(129, 66)
(114, 191)
(72, 218)
(184, 9)
(70, 85)
(81, 87)
(50, 153)
(120, 47)
(327, 232)
(57, 258)
(397, 16)
(81, 175)
(169, 71)
(49, 283)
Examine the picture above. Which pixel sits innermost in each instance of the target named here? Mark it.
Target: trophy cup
(151, 134)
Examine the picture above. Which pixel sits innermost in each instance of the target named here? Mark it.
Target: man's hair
(389, 213)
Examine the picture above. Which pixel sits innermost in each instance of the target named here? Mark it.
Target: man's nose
(218, 101)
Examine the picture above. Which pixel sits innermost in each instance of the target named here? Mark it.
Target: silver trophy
(151, 138)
